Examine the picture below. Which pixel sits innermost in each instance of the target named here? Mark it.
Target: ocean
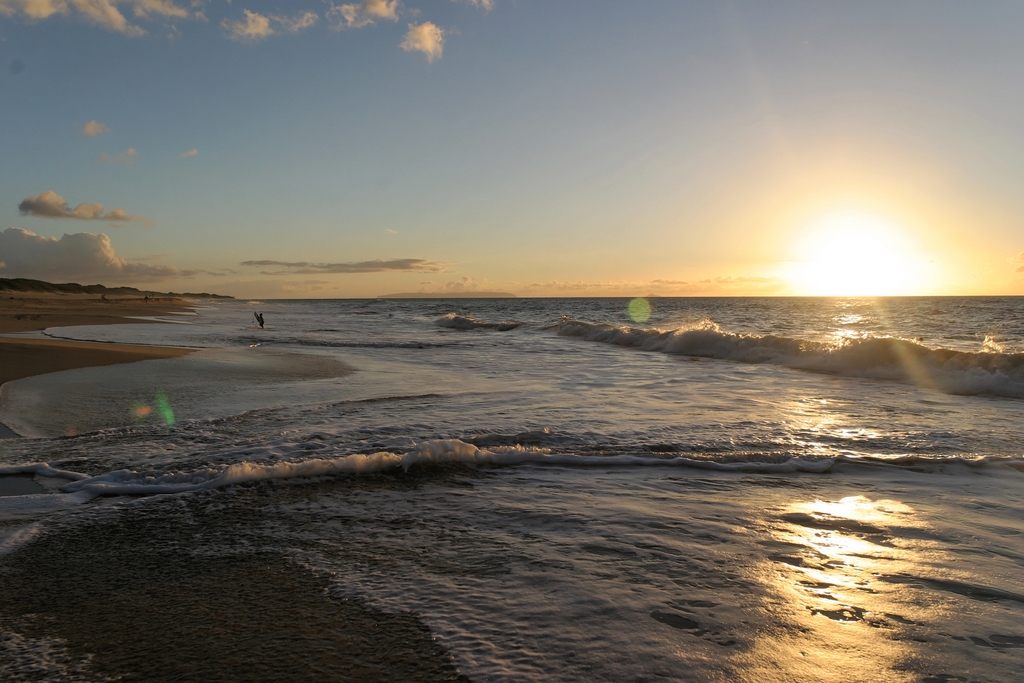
(719, 489)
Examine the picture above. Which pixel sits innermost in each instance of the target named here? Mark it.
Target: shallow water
(751, 489)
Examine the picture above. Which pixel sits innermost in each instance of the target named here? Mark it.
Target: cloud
(427, 38)
(365, 13)
(659, 287)
(742, 280)
(581, 286)
(164, 8)
(77, 257)
(49, 204)
(191, 153)
(463, 287)
(126, 157)
(487, 5)
(298, 22)
(1019, 259)
(93, 128)
(466, 284)
(255, 27)
(413, 265)
(103, 13)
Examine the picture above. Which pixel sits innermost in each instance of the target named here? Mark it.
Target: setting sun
(855, 254)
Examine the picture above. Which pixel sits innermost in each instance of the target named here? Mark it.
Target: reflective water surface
(510, 494)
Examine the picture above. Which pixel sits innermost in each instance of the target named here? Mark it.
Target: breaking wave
(953, 372)
(438, 452)
(457, 321)
(429, 453)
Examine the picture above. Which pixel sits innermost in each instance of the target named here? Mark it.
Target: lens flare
(640, 310)
(163, 409)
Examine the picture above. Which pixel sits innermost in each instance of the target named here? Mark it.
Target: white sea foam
(439, 452)
(434, 453)
(953, 372)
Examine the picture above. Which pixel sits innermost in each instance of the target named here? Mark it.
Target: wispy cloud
(463, 287)
(103, 13)
(300, 21)
(482, 4)
(414, 265)
(659, 287)
(427, 38)
(79, 256)
(741, 280)
(191, 153)
(463, 284)
(49, 204)
(255, 26)
(365, 13)
(92, 129)
(1018, 259)
(126, 157)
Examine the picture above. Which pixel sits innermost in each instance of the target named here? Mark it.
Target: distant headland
(26, 286)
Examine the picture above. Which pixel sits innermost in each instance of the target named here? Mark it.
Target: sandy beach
(27, 357)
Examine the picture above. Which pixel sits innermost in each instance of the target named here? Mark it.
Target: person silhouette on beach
(259, 319)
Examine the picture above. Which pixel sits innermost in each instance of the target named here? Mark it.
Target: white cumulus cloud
(76, 257)
(427, 38)
(365, 13)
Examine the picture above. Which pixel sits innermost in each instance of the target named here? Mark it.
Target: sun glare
(852, 254)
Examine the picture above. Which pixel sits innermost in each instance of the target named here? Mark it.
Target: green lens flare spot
(164, 408)
(640, 310)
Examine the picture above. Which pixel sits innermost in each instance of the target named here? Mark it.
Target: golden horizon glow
(857, 254)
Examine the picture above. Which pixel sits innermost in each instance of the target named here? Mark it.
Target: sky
(309, 148)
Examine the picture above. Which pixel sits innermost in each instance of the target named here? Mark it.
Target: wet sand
(25, 313)
(21, 358)
(124, 598)
(27, 357)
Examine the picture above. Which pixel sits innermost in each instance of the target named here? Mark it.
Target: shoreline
(27, 357)
(21, 358)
